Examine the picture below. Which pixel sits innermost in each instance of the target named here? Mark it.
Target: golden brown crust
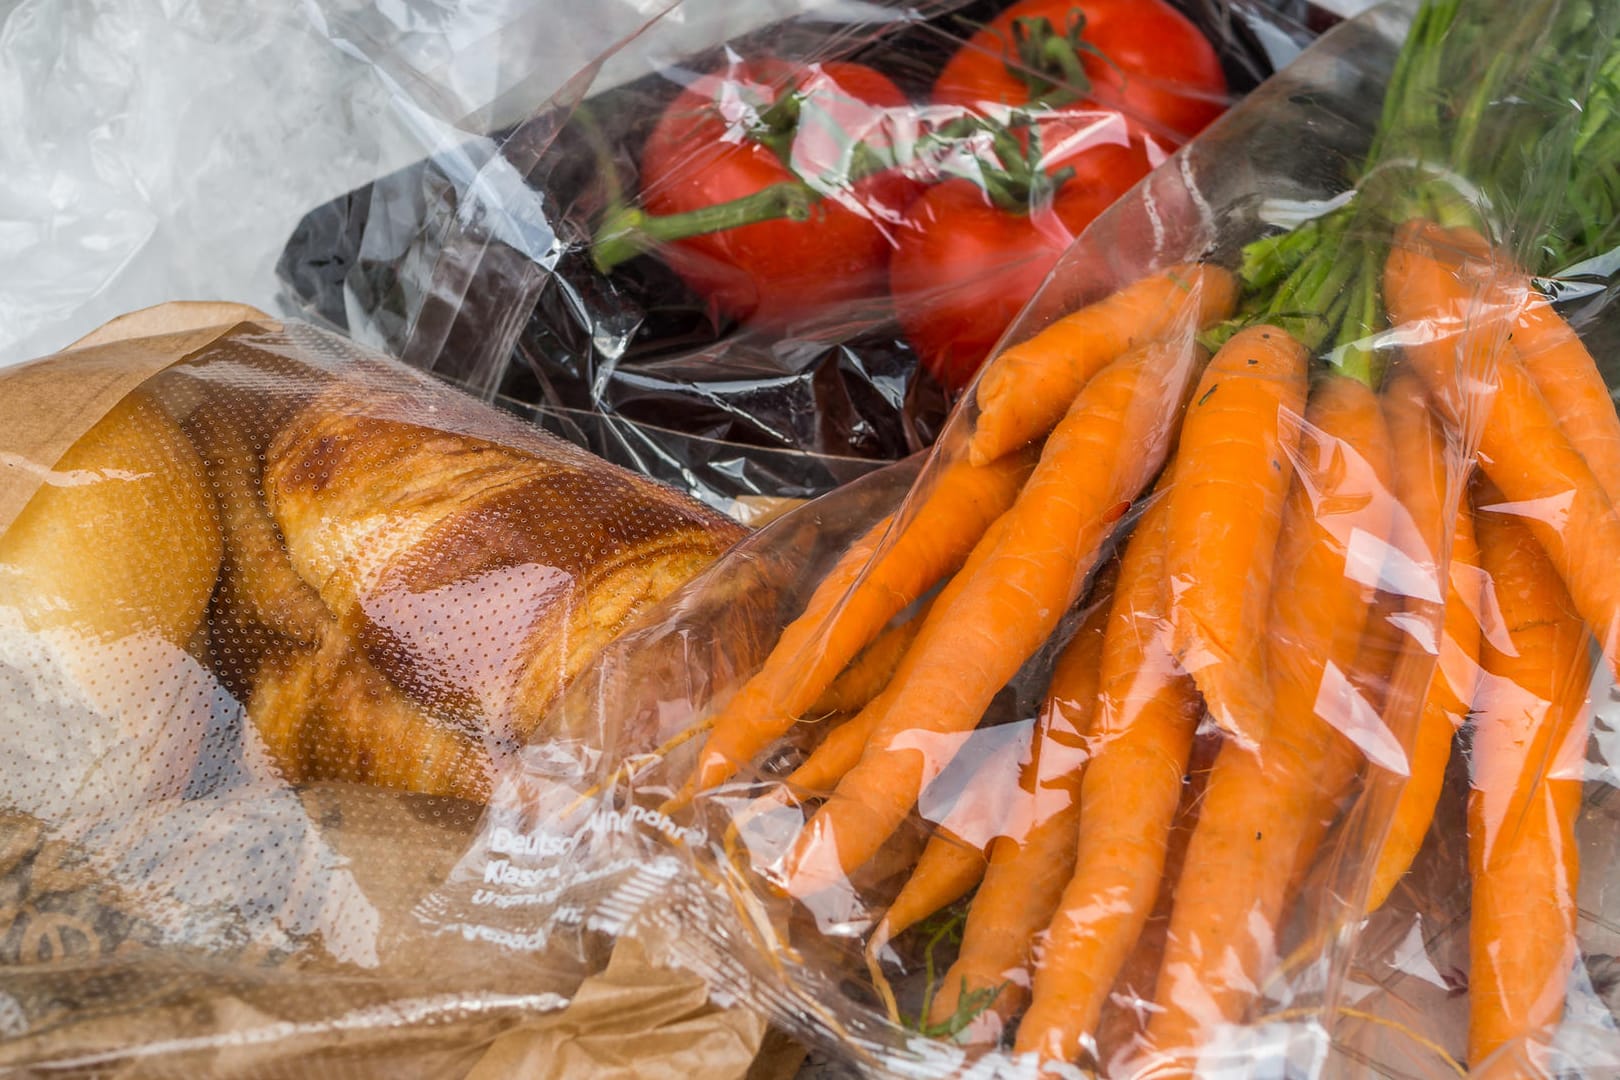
(478, 577)
(326, 714)
(122, 538)
(257, 581)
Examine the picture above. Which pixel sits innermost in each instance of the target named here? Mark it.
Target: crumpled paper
(634, 1021)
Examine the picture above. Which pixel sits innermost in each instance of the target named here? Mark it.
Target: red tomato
(709, 147)
(1159, 70)
(965, 267)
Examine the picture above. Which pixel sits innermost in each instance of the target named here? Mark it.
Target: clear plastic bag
(1201, 703)
(274, 611)
(530, 265)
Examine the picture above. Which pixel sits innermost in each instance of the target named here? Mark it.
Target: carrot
(1522, 447)
(1397, 650)
(1445, 707)
(869, 672)
(1568, 377)
(1110, 444)
(1257, 808)
(841, 750)
(1147, 717)
(1526, 762)
(1556, 360)
(1032, 859)
(954, 860)
(1026, 389)
(1367, 684)
(877, 578)
(1234, 452)
(948, 869)
(1122, 1027)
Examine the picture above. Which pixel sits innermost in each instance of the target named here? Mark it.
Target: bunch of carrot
(1318, 515)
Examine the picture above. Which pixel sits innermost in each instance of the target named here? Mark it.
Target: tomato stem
(777, 124)
(606, 167)
(1047, 62)
(630, 231)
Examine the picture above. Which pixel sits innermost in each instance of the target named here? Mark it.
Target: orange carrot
(1553, 355)
(948, 869)
(1122, 1027)
(1383, 643)
(1526, 762)
(1026, 389)
(1445, 707)
(1146, 720)
(1110, 444)
(852, 605)
(954, 860)
(1397, 649)
(1522, 447)
(1236, 442)
(1033, 858)
(870, 672)
(1569, 379)
(1257, 808)
(841, 750)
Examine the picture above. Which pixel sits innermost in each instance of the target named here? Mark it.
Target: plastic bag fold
(774, 358)
(1228, 691)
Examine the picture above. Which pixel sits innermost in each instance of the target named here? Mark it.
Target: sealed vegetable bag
(275, 612)
(764, 267)
(1228, 693)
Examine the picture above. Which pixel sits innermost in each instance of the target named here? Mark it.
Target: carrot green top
(1500, 116)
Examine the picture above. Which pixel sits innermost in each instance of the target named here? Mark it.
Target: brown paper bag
(315, 961)
(49, 403)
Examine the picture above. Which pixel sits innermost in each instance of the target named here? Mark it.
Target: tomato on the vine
(1094, 93)
(964, 267)
(816, 136)
(973, 250)
(1142, 57)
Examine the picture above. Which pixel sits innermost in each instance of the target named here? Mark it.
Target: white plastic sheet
(163, 149)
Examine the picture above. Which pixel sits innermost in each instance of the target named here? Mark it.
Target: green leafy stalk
(1269, 260)
(945, 931)
(970, 1005)
(1354, 353)
(1495, 115)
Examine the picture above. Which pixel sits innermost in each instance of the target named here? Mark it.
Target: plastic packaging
(274, 611)
(132, 184)
(777, 358)
(1118, 737)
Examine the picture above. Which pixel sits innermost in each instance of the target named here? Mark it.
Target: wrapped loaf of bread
(251, 575)
(395, 582)
(467, 583)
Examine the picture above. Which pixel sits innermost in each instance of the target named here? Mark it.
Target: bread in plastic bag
(1228, 693)
(274, 612)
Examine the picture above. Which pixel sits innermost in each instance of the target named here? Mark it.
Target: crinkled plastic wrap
(774, 356)
(1229, 692)
(274, 612)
